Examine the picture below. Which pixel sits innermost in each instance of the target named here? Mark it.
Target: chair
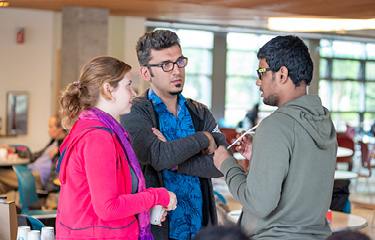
(350, 131)
(366, 156)
(21, 147)
(230, 136)
(34, 223)
(28, 193)
(344, 141)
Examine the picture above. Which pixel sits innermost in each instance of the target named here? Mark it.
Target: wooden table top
(344, 152)
(344, 221)
(13, 159)
(339, 174)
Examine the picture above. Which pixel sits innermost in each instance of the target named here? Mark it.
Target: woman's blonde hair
(84, 93)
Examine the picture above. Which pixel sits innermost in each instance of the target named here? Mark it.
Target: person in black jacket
(173, 137)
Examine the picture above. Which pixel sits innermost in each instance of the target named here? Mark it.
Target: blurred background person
(251, 118)
(41, 162)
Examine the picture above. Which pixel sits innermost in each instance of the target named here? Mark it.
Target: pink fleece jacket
(95, 196)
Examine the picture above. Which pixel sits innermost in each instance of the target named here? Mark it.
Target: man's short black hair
(289, 51)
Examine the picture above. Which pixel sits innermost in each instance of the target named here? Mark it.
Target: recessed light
(4, 4)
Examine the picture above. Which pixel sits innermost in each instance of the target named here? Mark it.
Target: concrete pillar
(84, 36)
(123, 36)
(314, 45)
(219, 75)
(134, 28)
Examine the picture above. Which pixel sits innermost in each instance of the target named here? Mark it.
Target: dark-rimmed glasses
(260, 71)
(169, 66)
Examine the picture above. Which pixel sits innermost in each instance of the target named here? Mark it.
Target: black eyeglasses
(260, 71)
(169, 66)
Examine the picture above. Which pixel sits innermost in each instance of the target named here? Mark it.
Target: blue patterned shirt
(186, 220)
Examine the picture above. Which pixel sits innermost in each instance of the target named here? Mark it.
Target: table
(238, 156)
(340, 221)
(13, 159)
(234, 215)
(343, 175)
(343, 221)
(344, 152)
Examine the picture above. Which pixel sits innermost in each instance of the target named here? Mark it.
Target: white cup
(3, 153)
(156, 214)
(48, 233)
(22, 232)
(33, 235)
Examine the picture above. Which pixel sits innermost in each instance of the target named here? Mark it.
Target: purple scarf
(123, 136)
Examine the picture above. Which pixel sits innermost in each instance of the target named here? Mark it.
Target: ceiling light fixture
(4, 4)
(299, 24)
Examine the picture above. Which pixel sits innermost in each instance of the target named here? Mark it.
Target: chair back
(24, 220)
(344, 141)
(230, 136)
(26, 187)
(21, 147)
(350, 131)
(366, 156)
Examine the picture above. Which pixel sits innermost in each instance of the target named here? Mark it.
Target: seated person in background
(41, 162)
(251, 118)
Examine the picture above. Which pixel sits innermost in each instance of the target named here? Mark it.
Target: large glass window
(347, 85)
(346, 72)
(197, 46)
(241, 92)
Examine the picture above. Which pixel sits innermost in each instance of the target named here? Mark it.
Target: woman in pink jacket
(103, 193)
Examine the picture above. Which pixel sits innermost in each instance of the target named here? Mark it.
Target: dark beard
(272, 100)
(175, 93)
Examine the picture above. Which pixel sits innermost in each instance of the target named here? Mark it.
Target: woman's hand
(172, 202)
(171, 206)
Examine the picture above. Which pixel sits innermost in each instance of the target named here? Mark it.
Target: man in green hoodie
(288, 188)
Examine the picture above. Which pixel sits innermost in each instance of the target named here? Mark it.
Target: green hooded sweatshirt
(288, 188)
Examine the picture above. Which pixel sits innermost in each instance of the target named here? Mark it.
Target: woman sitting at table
(41, 162)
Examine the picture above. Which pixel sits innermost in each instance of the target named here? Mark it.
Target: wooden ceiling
(251, 13)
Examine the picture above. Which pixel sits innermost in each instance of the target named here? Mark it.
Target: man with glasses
(288, 188)
(174, 137)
